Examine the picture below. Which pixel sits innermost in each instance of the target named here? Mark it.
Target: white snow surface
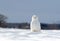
(27, 35)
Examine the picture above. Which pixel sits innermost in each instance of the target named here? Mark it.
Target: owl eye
(34, 17)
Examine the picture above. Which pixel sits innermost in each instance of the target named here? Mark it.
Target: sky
(19, 11)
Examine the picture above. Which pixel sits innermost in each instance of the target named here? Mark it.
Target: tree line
(4, 24)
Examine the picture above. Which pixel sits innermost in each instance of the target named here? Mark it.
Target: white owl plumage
(35, 24)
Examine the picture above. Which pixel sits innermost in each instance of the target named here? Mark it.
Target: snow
(26, 35)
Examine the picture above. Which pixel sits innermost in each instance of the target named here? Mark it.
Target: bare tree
(2, 20)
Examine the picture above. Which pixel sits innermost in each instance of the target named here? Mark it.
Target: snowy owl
(35, 24)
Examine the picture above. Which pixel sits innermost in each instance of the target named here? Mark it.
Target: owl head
(34, 17)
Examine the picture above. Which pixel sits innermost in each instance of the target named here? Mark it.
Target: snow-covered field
(27, 35)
